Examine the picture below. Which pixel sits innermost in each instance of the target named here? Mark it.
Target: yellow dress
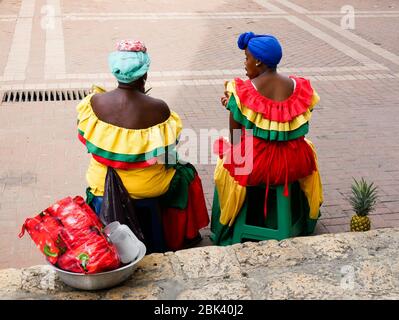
(134, 153)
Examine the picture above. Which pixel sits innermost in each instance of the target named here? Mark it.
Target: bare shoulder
(102, 103)
(96, 100)
(160, 107)
(284, 78)
(285, 82)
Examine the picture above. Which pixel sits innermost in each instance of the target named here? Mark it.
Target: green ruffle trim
(89, 196)
(270, 135)
(177, 194)
(170, 149)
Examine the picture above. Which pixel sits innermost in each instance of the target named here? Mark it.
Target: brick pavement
(193, 49)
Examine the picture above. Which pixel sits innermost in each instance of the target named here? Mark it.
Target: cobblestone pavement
(54, 44)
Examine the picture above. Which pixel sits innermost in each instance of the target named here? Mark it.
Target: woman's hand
(225, 98)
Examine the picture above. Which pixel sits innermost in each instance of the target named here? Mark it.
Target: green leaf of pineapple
(364, 196)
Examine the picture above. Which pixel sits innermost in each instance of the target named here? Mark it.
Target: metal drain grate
(44, 95)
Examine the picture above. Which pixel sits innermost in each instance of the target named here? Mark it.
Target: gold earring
(258, 64)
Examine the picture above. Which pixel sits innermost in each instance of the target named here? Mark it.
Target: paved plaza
(60, 44)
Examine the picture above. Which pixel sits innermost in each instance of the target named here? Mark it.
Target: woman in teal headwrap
(136, 135)
(130, 62)
(269, 118)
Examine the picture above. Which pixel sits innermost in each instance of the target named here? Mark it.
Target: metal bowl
(101, 280)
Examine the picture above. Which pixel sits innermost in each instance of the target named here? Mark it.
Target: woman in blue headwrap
(136, 135)
(269, 117)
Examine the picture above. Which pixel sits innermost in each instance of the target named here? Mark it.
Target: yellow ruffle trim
(257, 118)
(126, 141)
(312, 187)
(231, 194)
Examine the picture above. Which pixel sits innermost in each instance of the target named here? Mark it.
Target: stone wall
(330, 266)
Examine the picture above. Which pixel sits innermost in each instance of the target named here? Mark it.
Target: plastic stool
(286, 216)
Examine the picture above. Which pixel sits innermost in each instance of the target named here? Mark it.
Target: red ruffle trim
(81, 139)
(124, 165)
(256, 161)
(280, 111)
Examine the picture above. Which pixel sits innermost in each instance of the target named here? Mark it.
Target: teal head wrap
(130, 62)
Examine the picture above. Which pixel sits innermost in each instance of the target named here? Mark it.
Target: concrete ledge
(329, 266)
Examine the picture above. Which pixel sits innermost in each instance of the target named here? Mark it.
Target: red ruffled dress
(273, 149)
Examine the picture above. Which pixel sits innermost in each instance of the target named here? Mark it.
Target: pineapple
(363, 200)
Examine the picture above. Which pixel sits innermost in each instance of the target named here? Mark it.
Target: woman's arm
(234, 126)
(235, 130)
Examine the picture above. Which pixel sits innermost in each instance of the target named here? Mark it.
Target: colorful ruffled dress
(138, 156)
(272, 151)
